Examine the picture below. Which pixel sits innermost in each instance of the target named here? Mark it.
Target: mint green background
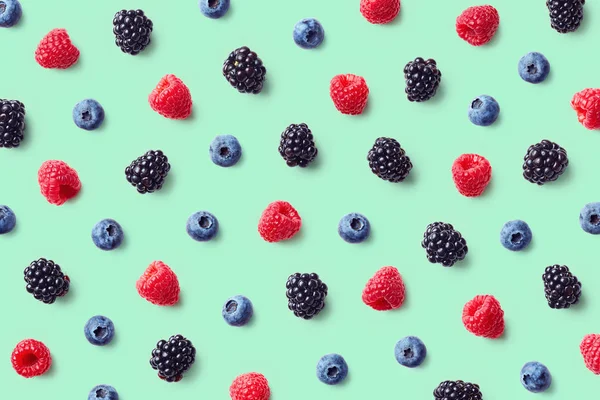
(284, 348)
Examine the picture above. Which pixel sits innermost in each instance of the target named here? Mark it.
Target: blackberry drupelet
(132, 31)
(562, 288)
(148, 172)
(244, 71)
(388, 160)
(297, 145)
(565, 15)
(45, 280)
(457, 390)
(171, 358)
(443, 244)
(544, 162)
(306, 295)
(422, 79)
(12, 123)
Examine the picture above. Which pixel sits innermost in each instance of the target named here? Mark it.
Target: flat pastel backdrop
(284, 348)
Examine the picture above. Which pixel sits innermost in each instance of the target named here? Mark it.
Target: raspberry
(379, 11)
(250, 386)
(349, 93)
(56, 50)
(587, 106)
(590, 350)
(471, 174)
(58, 182)
(280, 221)
(171, 98)
(385, 290)
(483, 316)
(31, 358)
(159, 285)
(477, 25)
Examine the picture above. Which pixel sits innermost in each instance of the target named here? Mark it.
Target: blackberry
(443, 244)
(244, 71)
(148, 172)
(297, 145)
(46, 281)
(457, 390)
(388, 160)
(171, 358)
(422, 79)
(12, 123)
(132, 31)
(544, 162)
(562, 288)
(306, 295)
(565, 15)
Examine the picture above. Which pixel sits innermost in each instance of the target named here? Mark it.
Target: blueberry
(515, 235)
(99, 330)
(308, 33)
(103, 392)
(534, 67)
(535, 377)
(214, 8)
(8, 220)
(484, 110)
(237, 311)
(332, 369)
(88, 114)
(225, 150)
(202, 226)
(10, 13)
(107, 234)
(589, 218)
(354, 228)
(410, 351)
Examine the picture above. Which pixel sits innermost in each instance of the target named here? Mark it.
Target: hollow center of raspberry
(29, 359)
(86, 115)
(516, 238)
(477, 103)
(332, 372)
(594, 219)
(100, 332)
(66, 192)
(356, 224)
(2, 7)
(532, 69)
(204, 222)
(408, 353)
(224, 151)
(214, 3)
(111, 230)
(101, 393)
(231, 306)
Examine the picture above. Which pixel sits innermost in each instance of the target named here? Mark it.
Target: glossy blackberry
(457, 390)
(306, 295)
(422, 79)
(544, 162)
(132, 31)
(45, 280)
(148, 172)
(443, 244)
(297, 145)
(12, 123)
(171, 358)
(244, 71)
(561, 287)
(388, 160)
(565, 15)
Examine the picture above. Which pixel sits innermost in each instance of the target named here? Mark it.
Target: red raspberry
(280, 221)
(171, 98)
(385, 290)
(379, 11)
(31, 358)
(56, 50)
(251, 386)
(587, 105)
(477, 25)
(590, 350)
(483, 316)
(159, 285)
(349, 93)
(471, 174)
(58, 182)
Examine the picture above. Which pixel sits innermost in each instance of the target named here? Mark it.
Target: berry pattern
(385, 290)
(477, 25)
(484, 317)
(471, 174)
(56, 50)
(159, 285)
(31, 358)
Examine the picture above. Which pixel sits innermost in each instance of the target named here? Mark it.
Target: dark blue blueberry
(107, 234)
(99, 330)
(589, 218)
(10, 13)
(237, 311)
(535, 377)
(354, 228)
(225, 150)
(103, 392)
(534, 67)
(484, 110)
(410, 351)
(308, 33)
(515, 235)
(8, 220)
(214, 8)
(202, 226)
(332, 369)
(88, 114)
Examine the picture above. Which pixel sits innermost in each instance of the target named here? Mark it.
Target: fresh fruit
(202, 226)
(379, 11)
(349, 93)
(225, 150)
(308, 33)
(297, 145)
(515, 235)
(590, 350)
(237, 310)
(484, 317)
(535, 377)
(31, 358)
(12, 123)
(587, 106)
(422, 79)
(171, 98)
(561, 287)
(354, 228)
(99, 330)
(534, 67)
(250, 386)
(148, 172)
(544, 162)
(410, 351)
(58, 182)
(471, 174)
(589, 218)
(332, 369)
(56, 50)
(107, 234)
(478, 24)
(10, 13)
(173, 357)
(103, 392)
(88, 114)
(385, 290)
(245, 71)
(565, 15)
(279, 221)
(214, 8)
(306, 294)
(8, 220)
(159, 285)
(483, 110)
(457, 390)
(132, 31)
(46, 281)
(388, 160)
(443, 244)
